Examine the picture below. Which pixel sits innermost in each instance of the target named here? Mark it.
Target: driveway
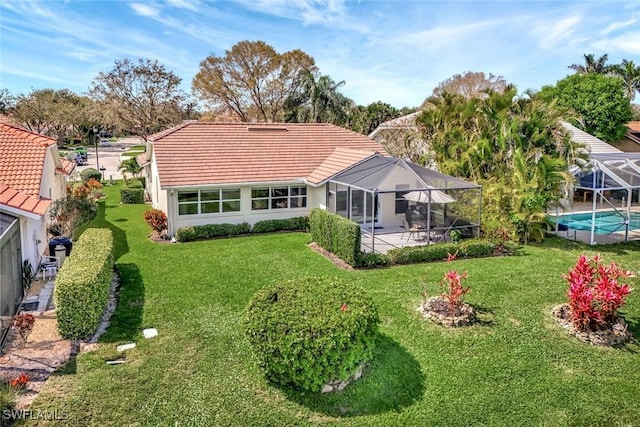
(109, 157)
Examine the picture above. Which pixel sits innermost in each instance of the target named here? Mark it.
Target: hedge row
(82, 285)
(132, 193)
(210, 231)
(471, 248)
(336, 234)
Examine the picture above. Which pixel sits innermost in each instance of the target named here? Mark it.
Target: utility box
(61, 253)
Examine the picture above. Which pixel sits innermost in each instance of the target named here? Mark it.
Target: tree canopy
(592, 65)
(318, 101)
(141, 97)
(599, 101)
(252, 80)
(470, 84)
(515, 147)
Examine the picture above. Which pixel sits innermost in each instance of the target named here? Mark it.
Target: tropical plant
(69, 213)
(156, 219)
(592, 65)
(515, 147)
(629, 73)
(453, 290)
(318, 101)
(130, 166)
(595, 292)
(23, 323)
(20, 382)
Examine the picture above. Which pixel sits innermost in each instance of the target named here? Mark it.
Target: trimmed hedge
(471, 248)
(209, 231)
(82, 286)
(308, 332)
(89, 173)
(335, 234)
(131, 196)
(300, 223)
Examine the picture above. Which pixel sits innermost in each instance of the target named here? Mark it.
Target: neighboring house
(631, 142)
(32, 174)
(204, 173)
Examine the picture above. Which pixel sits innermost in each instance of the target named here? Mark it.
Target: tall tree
(252, 80)
(50, 112)
(599, 101)
(592, 65)
(318, 101)
(629, 73)
(516, 148)
(7, 101)
(142, 97)
(365, 119)
(470, 84)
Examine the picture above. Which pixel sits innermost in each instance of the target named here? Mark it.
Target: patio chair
(410, 229)
(49, 266)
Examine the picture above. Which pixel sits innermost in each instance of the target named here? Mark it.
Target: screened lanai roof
(611, 172)
(381, 174)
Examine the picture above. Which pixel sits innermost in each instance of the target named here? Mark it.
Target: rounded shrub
(89, 173)
(309, 332)
(134, 183)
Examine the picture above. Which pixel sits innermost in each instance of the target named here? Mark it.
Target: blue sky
(390, 51)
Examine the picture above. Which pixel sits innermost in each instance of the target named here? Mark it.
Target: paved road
(108, 157)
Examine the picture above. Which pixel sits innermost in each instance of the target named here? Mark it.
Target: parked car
(105, 143)
(82, 151)
(75, 157)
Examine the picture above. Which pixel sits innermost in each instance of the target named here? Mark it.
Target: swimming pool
(606, 221)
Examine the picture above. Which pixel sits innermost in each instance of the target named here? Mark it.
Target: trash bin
(64, 241)
(60, 252)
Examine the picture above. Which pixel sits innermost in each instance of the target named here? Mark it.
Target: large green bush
(335, 234)
(82, 285)
(311, 331)
(299, 223)
(209, 231)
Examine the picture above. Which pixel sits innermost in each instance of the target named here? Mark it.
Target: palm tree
(630, 75)
(130, 166)
(592, 65)
(320, 101)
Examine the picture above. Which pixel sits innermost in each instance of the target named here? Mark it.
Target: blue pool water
(606, 221)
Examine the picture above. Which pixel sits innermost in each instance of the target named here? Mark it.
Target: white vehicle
(105, 143)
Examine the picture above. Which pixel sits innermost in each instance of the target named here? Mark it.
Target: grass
(134, 151)
(515, 368)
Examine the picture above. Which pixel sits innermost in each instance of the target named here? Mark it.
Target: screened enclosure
(606, 203)
(373, 193)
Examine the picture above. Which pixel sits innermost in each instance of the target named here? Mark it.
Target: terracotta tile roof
(201, 153)
(19, 200)
(339, 160)
(634, 126)
(22, 156)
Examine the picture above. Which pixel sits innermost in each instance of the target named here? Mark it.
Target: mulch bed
(331, 257)
(437, 310)
(607, 335)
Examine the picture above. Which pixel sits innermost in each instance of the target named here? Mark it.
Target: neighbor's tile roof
(201, 153)
(22, 156)
(634, 126)
(19, 200)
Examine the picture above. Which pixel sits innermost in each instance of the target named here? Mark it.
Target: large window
(279, 197)
(210, 201)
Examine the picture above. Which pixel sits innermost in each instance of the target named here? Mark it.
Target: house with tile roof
(32, 175)
(209, 172)
(631, 141)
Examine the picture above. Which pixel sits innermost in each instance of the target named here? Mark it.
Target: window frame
(275, 196)
(210, 198)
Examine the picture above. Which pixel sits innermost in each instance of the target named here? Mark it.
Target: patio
(387, 196)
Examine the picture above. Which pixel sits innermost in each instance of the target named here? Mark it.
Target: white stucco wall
(168, 202)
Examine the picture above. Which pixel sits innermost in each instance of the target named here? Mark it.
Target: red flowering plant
(452, 282)
(23, 323)
(595, 293)
(156, 219)
(19, 382)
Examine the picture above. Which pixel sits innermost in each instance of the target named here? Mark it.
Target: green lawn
(515, 368)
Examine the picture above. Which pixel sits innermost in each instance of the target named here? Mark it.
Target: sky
(391, 51)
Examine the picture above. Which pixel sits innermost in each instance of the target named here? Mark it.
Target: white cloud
(184, 4)
(145, 10)
(557, 33)
(626, 43)
(618, 25)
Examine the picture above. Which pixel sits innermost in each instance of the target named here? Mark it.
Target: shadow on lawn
(392, 380)
(126, 320)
